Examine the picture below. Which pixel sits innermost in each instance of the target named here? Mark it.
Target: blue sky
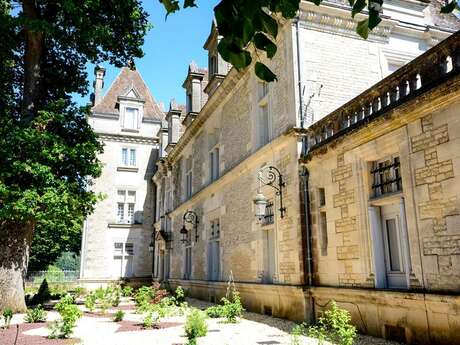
(169, 47)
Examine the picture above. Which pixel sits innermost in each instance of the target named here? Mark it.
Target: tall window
(123, 254)
(386, 176)
(214, 164)
(213, 65)
(128, 157)
(188, 177)
(126, 202)
(214, 251)
(188, 257)
(263, 118)
(323, 232)
(131, 118)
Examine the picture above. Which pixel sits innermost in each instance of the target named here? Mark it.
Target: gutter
(299, 71)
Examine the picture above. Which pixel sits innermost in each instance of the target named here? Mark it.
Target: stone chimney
(99, 73)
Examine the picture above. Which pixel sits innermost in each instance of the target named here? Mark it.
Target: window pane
(124, 156)
(131, 213)
(129, 249)
(132, 157)
(131, 196)
(216, 163)
(211, 165)
(131, 118)
(120, 212)
(393, 245)
(121, 195)
(118, 248)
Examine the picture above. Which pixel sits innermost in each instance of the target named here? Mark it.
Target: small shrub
(79, 291)
(115, 300)
(195, 326)
(7, 316)
(119, 315)
(127, 291)
(179, 295)
(35, 315)
(333, 326)
(69, 315)
(215, 311)
(68, 261)
(143, 297)
(151, 320)
(43, 294)
(90, 302)
(233, 309)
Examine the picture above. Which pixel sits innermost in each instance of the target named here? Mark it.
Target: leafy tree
(48, 152)
(256, 22)
(68, 261)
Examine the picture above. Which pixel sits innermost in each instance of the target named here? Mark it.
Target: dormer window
(213, 65)
(131, 118)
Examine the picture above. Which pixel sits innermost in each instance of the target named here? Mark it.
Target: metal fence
(61, 277)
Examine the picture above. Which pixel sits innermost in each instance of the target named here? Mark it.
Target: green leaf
(374, 19)
(264, 73)
(262, 42)
(449, 7)
(363, 28)
(171, 6)
(232, 53)
(358, 6)
(267, 24)
(316, 2)
(189, 3)
(288, 8)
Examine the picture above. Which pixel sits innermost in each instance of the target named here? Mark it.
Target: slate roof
(126, 80)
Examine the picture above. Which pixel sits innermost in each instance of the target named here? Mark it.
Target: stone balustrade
(420, 75)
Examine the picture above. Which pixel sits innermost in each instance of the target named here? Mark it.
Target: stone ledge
(122, 226)
(128, 169)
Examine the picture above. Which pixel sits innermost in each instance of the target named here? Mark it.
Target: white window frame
(127, 216)
(130, 153)
(123, 255)
(135, 120)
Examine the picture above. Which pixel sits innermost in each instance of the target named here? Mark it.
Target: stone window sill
(128, 169)
(131, 130)
(123, 225)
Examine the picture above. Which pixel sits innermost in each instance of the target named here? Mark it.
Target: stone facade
(313, 79)
(115, 242)
(405, 237)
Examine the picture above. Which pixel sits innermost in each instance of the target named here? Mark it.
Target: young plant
(90, 302)
(7, 316)
(35, 315)
(118, 316)
(179, 295)
(127, 291)
(195, 326)
(232, 310)
(215, 311)
(151, 320)
(69, 315)
(333, 326)
(79, 291)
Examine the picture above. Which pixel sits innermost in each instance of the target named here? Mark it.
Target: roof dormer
(217, 66)
(195, 98)
(131, 106)
(173, 118)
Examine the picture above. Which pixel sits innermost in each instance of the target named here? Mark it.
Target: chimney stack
(99, 73)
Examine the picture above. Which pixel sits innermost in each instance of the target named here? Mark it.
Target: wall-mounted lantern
(192, 218)
(269, 176)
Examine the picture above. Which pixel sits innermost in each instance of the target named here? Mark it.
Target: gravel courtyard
(100, 329)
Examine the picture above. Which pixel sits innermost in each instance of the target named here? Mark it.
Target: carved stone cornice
(127, 138)
(341, 24)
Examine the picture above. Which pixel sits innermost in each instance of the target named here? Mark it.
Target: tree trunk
(32, 58)
(15, 241)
